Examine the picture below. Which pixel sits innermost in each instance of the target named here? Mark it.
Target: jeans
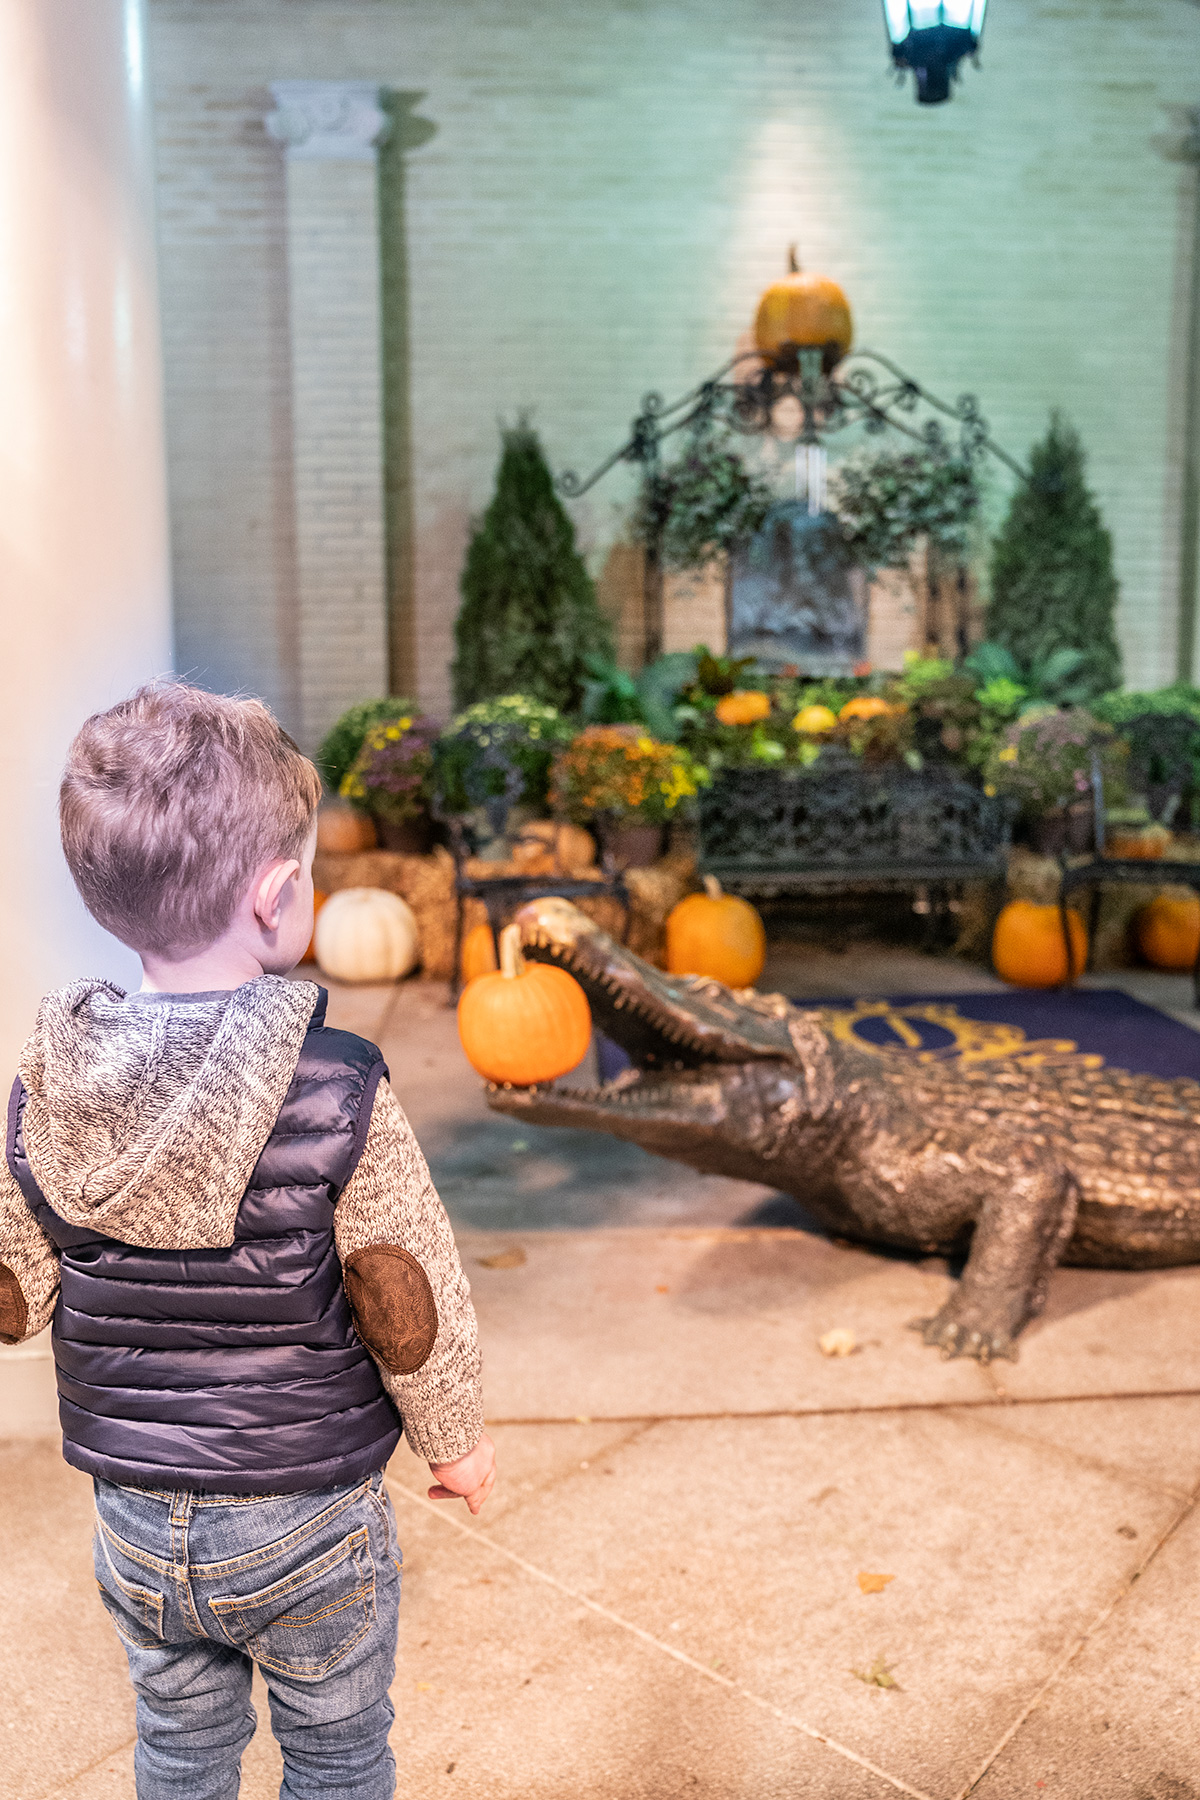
(203, 1586)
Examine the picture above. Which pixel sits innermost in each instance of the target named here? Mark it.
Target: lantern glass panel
(904, 16)
(898, 22)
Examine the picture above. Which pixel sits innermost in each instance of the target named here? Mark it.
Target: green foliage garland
(886, 499)
(1053, 585)
(529, 617)
(705, 502)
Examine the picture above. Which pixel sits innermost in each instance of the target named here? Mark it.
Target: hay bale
(426, 882)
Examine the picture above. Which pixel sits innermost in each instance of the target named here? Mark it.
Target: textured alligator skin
(1022, 1165)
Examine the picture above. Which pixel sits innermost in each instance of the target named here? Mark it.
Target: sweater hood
(146, 1114)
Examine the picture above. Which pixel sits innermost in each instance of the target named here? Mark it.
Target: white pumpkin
(366, 934)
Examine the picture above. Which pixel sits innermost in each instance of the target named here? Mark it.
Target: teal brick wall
(595, 199)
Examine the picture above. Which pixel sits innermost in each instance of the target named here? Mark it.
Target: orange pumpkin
(319, 899)
(1028, 947)
(344, 830)
(865, 706)
(526, 1023)
(803, 312)
(1168, 931)
(717, 935)
(743, 707)
(814, 719)
(478, 953)
(1140, 846)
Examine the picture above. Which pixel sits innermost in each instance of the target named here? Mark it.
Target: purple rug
(1018, 1023)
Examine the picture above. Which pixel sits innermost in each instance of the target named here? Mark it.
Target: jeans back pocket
(137, 1612)
(305, 1623)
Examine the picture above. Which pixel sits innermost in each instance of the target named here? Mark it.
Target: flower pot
(1064, 831)
(634, 846)
(411, 837)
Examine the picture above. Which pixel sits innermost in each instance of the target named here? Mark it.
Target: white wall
(608, 188)
(83, 543)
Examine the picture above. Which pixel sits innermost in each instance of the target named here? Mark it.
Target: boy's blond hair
(169, 803)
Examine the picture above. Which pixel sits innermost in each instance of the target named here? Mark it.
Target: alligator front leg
(1022, 1227)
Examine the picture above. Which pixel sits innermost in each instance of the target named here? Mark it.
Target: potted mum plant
(627, 786)
(495, 760)
(391, 778)
(1044, 761)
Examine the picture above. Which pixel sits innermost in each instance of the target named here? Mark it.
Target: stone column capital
(328, 121)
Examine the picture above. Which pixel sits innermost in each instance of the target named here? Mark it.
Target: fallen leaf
(662, 1288)
(504, 1259)
(583, 1419)
(879, 1674)
(838, 1342)
(873, 1584)
(424, 1687)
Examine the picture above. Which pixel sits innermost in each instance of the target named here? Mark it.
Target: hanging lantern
(803, 312)
(932, 39)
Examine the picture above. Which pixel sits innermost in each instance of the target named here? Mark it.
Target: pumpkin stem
(712, 887)
(793, 260)
(512, 963)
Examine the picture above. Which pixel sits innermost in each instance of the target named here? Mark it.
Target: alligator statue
(1014, 1165)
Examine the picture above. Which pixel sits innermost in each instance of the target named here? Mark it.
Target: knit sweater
(146, 1116)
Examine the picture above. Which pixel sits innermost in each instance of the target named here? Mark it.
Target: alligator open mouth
(683, 1035)
(660, 1021)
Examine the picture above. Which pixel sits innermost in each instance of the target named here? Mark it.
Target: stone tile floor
(662, 1598)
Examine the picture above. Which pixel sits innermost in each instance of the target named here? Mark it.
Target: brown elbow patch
(393, 1306)
(14, 1314)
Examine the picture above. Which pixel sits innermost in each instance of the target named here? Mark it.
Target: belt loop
(180, 1518)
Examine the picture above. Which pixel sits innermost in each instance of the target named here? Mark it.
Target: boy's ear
(270, 892)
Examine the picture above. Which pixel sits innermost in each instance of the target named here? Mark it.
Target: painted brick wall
(602, 193)
(333, 239)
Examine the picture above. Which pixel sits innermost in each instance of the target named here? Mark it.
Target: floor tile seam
(1080, 1644)
(587, 1235)
(669, 1650)
(985, 1403)
(514, 1508)
(58, 1792)
(1076, 1459)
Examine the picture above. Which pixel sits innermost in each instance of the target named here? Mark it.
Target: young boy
(251, 1277)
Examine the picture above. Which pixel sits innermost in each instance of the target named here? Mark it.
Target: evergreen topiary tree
(529, 617)
(1053, 585)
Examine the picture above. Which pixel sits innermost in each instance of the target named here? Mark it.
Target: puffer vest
(234, 1371)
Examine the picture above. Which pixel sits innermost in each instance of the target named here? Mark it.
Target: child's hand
(471, 1478)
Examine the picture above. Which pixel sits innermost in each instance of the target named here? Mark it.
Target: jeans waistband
(169, 1495)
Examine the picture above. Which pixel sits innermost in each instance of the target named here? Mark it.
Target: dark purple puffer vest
(233, 1371)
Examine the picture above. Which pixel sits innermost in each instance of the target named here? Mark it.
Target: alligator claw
(952, 1338)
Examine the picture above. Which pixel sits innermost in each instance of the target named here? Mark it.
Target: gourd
(1028, 948)
(814, 719)
(718, 935)
(527, 1022)
(743, 707)
(366, 934)
(345, 830)
(1168, 931)
(1139, 846)
(319, 899)
(478, 955)
(804, 311)
(865, 706)
(552, 847)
